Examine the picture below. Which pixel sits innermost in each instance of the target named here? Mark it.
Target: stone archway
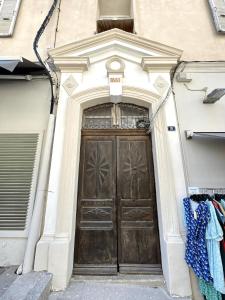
(55, 249)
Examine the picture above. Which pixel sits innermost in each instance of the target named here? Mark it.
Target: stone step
(147, 280)
(7, 276)
(104, 290)
(30, 286)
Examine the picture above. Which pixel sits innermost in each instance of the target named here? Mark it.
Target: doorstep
(121, 287)
(148, 280)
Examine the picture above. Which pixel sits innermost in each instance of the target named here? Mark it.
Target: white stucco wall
(203, 157)
(24, 107)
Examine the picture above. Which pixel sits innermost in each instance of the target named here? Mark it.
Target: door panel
(96, 240)
(116, 214)
(138, 242)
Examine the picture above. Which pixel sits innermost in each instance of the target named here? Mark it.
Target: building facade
(94, 166)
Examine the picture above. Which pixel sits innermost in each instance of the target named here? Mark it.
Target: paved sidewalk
(111, 291)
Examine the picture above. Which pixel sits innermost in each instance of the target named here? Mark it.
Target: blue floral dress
(196, 254)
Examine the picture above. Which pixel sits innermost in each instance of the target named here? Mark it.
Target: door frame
(57, 242)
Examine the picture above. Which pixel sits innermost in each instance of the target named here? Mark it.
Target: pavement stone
(30, 286)
(111, 291)
(7, 277)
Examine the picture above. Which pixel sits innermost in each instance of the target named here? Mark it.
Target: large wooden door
(116, 215)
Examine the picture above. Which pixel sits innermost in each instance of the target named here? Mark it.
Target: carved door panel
(138, 242)
(116, 215)
(96, 233)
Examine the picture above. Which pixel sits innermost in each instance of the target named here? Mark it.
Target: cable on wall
(35, 48)
(170, 90)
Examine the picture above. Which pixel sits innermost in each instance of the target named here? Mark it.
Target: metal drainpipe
(35, 226)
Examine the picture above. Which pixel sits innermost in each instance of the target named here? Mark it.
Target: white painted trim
(112, 35)
(63, 240)
(103, 91)
(55, 250)
(1, 4)
(204, 67)
(13, 21)
(156, 64)
(72, 64)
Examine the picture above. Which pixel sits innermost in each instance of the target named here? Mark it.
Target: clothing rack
(211, 191)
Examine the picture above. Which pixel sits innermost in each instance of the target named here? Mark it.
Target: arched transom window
(121, 115)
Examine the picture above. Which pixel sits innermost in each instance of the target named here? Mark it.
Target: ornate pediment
(110, 43)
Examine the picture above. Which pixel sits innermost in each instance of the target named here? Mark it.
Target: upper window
(218, 13)
(109, 115)
(115, 14)
(8, 13)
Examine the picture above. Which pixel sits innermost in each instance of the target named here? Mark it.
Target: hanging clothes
(196, 254)
(207, 289)
(214, 234)
(221, 221)
(222, 201)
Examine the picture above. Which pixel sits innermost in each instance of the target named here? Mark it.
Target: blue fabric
(222, 202)
(196, 254)
(214, 234)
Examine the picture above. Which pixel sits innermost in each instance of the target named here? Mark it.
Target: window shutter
(19, 157)
(8, 13)
(218, 12)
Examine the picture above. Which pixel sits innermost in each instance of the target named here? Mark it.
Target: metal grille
(122, 115)
(17, 160)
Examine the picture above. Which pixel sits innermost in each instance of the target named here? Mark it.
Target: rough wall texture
(30, 17)
(187, 25)
(77, 20)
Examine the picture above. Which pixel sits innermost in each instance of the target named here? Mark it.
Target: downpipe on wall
(36, 221)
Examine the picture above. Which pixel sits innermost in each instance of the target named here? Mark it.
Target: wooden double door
(116, 226)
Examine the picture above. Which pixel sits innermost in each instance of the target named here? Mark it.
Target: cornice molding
(204, 67)
(68, 64)
(120, 35)
(158, 64)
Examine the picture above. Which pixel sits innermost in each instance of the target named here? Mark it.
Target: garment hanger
(219, 197)
(200, 197)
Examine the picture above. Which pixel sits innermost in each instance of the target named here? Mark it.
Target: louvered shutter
(19, 156)
(218, 12)
(8, 13)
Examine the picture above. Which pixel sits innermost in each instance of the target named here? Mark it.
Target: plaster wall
(24, 104)
(204, 157)
(187, 25)
(24, 107)
(31, 15)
